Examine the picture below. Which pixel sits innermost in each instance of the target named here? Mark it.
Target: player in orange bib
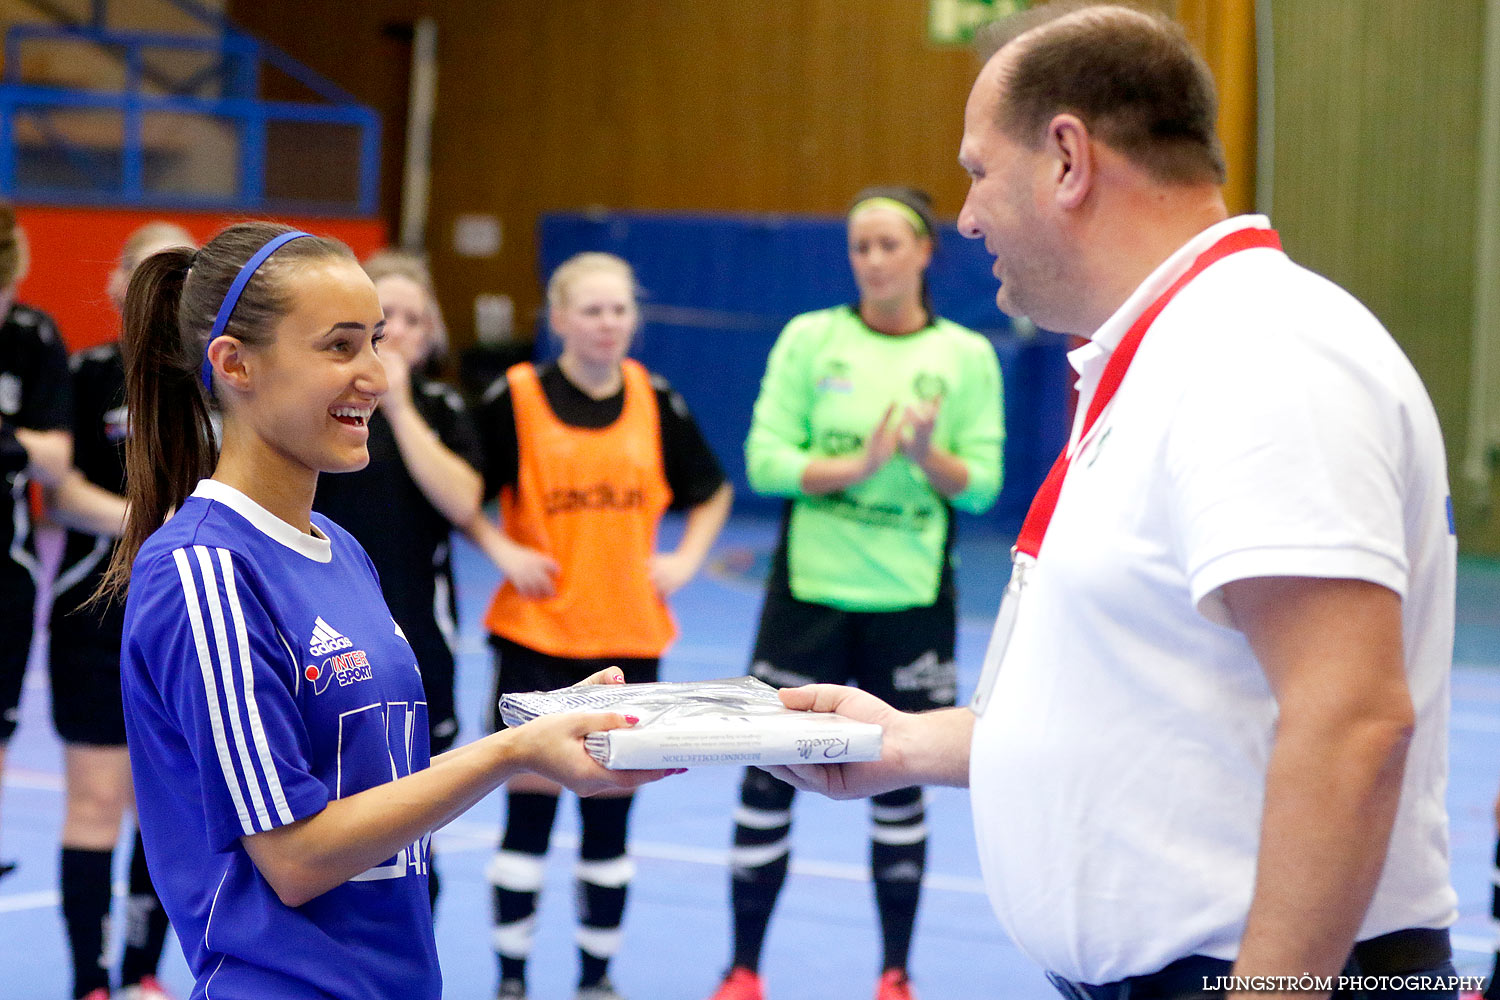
(586, 455)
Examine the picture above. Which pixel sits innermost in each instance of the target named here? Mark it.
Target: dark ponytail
(171, 443)
(170, 307)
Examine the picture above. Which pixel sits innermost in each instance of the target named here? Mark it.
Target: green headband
(901, 208)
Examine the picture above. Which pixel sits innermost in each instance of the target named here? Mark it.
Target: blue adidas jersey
(263, 677)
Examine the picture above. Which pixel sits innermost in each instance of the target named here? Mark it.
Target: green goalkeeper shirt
(878, 545)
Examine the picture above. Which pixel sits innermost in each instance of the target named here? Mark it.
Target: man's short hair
(1130, 75)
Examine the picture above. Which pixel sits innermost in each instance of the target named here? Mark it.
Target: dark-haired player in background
(36, 446)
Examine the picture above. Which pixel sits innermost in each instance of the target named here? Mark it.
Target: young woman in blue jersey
(84, 668)
(275, 714)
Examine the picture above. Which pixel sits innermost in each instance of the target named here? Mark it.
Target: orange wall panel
(73, 251)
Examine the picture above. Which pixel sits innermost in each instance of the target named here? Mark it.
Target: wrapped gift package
(694, 723)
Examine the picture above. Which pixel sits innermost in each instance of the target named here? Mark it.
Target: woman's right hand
(551, 746)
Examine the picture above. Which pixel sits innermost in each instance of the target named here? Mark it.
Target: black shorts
(904, 658)
(83, 666)
(435, 658)
(520, 668)
(17, 620)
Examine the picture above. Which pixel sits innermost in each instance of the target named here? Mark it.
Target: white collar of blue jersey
(316, 546)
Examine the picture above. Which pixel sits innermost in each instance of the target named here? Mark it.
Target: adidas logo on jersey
(326, 639)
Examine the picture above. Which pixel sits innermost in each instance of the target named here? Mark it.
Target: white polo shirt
(1269, 426)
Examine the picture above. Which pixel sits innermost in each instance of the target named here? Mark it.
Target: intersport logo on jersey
(349, 667)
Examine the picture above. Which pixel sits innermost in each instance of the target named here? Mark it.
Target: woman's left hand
(552, 747)
(609, 675)
(916, 429)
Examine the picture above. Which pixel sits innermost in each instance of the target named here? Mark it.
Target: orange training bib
(592, 500)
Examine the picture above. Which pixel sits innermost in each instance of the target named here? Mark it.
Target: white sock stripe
(759, 855)
(210, 686)
(599, 942)
(762, 819)
(231, 693)
(516, 871)
(897, 836)
(614, 873)
(513, 940)
(252, 708)
(898, 814)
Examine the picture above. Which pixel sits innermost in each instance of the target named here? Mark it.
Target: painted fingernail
(631, 719)
(678, 770)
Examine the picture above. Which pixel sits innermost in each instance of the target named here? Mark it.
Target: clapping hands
(910, 433)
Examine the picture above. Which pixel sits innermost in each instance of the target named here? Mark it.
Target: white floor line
(44, 781)
(460, 836)
(464, 836)
(23, 901)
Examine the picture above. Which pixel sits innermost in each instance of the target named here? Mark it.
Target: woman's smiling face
(309, 394)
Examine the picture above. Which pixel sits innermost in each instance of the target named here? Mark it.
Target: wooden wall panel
(1375, 174)
(1224, 31)
(673, 104)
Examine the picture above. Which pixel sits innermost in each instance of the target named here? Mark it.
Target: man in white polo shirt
(1210, 738)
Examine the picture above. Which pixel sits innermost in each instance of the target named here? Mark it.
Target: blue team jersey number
(398, 725)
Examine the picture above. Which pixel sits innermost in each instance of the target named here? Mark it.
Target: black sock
(145, 922)
(516, 873)
(759, 861)
(86, 892)
(604, 872)
(898, 860)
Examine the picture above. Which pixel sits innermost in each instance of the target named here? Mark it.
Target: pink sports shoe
(740, 984)
(894, 986)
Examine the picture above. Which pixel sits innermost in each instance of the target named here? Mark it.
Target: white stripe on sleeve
(206, 667)
(252, 708)
(231, 694)
(296, 664)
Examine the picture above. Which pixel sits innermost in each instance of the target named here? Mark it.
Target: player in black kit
(35, 447)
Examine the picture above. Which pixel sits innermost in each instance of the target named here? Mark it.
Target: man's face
(1006, 204)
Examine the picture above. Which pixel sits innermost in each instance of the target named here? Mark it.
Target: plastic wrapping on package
(693, 723)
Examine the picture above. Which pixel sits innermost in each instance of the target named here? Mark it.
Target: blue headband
(232, 298)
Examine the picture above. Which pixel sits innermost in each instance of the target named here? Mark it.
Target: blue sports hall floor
(823, 941)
